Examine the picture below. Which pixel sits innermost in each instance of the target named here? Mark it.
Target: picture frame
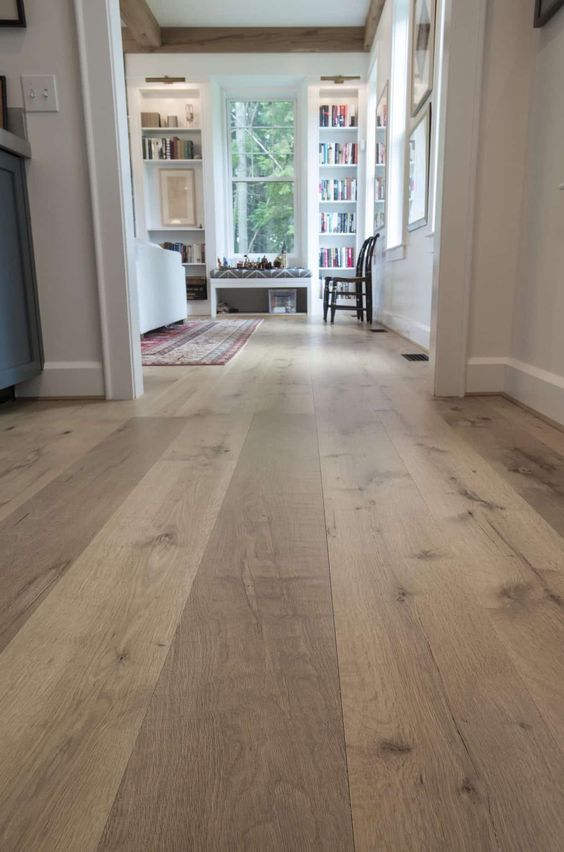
(12, 13)
(178, 197)
(422, 52)
(419, 167)
(545, 10)
(3, 104)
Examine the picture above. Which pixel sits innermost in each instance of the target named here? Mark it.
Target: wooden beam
(142, 26)
(253, 40)
(372, 21)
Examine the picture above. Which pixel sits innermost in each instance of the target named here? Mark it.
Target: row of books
(380, 154)
(338, 223)
(337, 258)
(344, 115)
(380, 189)
(338, 154)
(338, 190)
(189, 253)
(169, 148)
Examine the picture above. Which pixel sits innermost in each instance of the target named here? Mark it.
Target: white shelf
(171, 130)
(346, 129)
(342, 201)
(167, 228)
(172, 162)
(200, 263)
(338, 234)
(338, 165)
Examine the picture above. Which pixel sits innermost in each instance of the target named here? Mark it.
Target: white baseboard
(413, 330)
(66, 378)
(485, 375)
(536, 388)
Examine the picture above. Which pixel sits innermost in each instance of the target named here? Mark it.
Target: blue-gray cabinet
(21, 352)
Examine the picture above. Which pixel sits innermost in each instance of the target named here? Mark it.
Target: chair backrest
(366, 257)
(362, 256)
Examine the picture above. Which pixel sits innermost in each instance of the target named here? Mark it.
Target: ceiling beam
(251, 40)
(372, 21)
(142, 26)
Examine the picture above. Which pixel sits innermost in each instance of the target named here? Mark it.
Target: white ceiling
(258, 13)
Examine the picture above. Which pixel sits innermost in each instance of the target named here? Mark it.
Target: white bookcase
(186, 105)
(340, 189)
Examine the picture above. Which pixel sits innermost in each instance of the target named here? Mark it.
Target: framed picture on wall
(545, 9)
(418, 184)
(422, 52)
(12, 13)
(178, 197)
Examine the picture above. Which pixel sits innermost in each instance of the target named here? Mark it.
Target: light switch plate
(40, 93)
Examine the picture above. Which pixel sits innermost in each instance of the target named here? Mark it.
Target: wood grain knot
(394, 747)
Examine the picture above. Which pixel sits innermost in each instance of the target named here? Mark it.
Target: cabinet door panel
(20, 342)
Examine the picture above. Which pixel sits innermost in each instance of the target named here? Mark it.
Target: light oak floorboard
(79, 675)
(438, 722)
(242, 747)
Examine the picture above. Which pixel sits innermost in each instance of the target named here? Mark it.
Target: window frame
(265, 97)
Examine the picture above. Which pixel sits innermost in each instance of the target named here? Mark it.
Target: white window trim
(397, 109)
(262, 95)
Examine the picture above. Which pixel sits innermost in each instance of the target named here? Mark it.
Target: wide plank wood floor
(293, 603)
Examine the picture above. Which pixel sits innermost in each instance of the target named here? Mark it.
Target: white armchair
(161, 286)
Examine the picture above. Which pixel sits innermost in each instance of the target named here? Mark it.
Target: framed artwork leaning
(422, 52)
(545, 9)
(419, 159)
(12, 13)
(178, 197)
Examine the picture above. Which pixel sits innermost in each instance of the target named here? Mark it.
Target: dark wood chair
(357, 288)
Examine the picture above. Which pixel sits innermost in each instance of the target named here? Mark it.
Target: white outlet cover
(40, 93)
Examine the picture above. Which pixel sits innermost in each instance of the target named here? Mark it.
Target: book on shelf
(150, 119)
(380, 154)
(337, 258)
(338, 154)
(169, 148)
(189, 253)
(337, 223)
(344, 115)
(196, 289)
(338, 190)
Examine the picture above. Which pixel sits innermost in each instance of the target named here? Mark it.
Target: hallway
(288, 604)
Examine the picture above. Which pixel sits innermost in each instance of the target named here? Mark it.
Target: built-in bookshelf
(338, 181)
(381, 166)
(167, 134)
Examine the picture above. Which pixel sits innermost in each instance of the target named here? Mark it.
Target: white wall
(516, 344)
(535, 372)
(60, 202)
(500, 196)
(404, 275)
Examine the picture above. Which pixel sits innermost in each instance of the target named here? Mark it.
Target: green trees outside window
(262, 146)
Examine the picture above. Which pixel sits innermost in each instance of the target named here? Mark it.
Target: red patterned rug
(197, 342)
